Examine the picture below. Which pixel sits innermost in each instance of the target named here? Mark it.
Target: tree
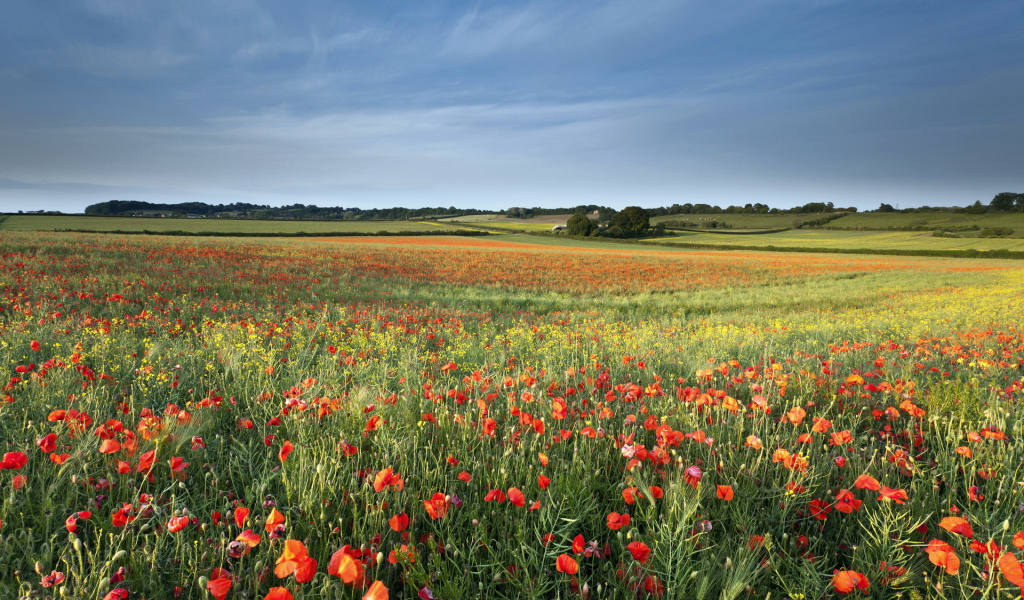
(580, 224)
(1007, 201)
(885, 208)
(977, 208)
(632, 220)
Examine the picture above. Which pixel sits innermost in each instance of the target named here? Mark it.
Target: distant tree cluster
(1007, 201)
(256, 211)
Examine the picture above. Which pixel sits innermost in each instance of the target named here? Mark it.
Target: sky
(495, 104)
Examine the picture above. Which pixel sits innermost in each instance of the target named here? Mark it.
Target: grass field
(846, 240)
(506, 417)
(56, 223)
(741, 221)
(1013, 220)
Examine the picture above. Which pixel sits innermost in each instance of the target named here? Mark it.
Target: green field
(832, 239)
(233, 226)
(1013, 220)
(744, 221)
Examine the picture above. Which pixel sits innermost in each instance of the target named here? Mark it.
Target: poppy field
(468, 418)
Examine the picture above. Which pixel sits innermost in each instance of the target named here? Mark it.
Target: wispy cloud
(614, 99)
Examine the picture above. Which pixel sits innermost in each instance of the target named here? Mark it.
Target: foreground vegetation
(470, 418)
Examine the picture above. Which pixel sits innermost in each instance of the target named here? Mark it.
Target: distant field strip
(230, 226)
(850, 240)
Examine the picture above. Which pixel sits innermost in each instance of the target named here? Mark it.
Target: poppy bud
(181, 484)
(693, 575)
(77, 545)
(380, 558)
(728, 563)
(1006, 525)
(202, 582)
(119, 555)
(39, 568)
(585, 591)
(476, 522)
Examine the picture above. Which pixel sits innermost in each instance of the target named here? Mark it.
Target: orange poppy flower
(821, 426)
(466, 477)
(279, 593)
(957, 525)
(241, 514)
(543, 458)
(250, 538)
(273, 520)
(566, 564)
(724, 492)
(109, 446)
(543, 481)
(845, 582)
(629, 495)
(1011, 569)
(437, 506)
(294, 559)
(1018, 540)
(388, 478)
(897, 495)
(867, 482)
(377, 591)
(345, 566)
(943, 555)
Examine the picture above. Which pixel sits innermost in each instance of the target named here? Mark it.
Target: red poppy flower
(516, 497)
(724, 492)
(867, 482)
(566, 564)
(47, 443)
(399, 522)
(617, 521)
(629, 495)
(286, 449)
(241, 514)
(845, 582)
(466, 477)
(543, 481)
(692, 476)
(578, 543)
(219, 587)
(639, 550)
(14, 460)
(846, 502)
(146, 461)
(176, 524)
(820, 509)
(495, 496)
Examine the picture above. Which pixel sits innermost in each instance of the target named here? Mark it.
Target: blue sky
(496, 104)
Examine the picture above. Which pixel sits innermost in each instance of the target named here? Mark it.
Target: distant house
(558, 228)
